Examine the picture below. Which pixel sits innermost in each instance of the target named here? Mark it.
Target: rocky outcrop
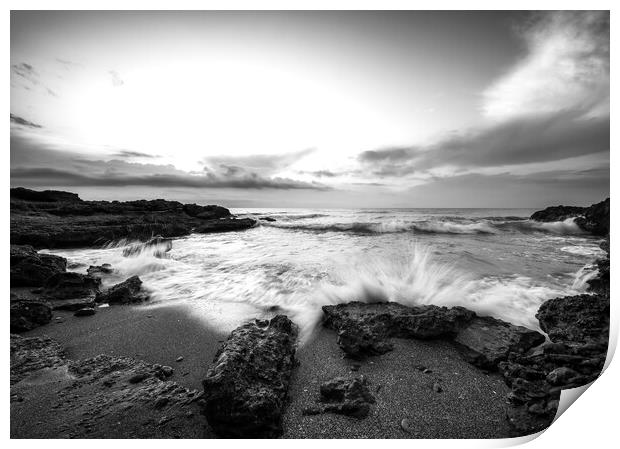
(593, 219)
(364, 329)
(350, 397)
(28, 315)
(98, 271)
(52, 219)
(486, 341)
(245, 389)
(31, 269)
(127, 292)
(71, 285)
(32, 354)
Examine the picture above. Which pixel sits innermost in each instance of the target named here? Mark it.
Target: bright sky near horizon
(313, 109)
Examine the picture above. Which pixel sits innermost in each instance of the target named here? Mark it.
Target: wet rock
(28, 315)
(245, 389)
(225, 225)
(72, 304)
(557, 213)
(99, 270)
(364, 329)
(581, 318)
(71, 285)
(595, 218)
(31, 269)
(561, 376)
(86, 311)
(350, 397)
(127, 292)
(486, 341)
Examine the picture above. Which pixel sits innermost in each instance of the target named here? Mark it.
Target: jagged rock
(363, 329)
(86, 311)
(159, 245)
(99, 270)
(486, 341)
(581, 318)
(71, 285)
(557, 213)
(349, 397)
(595, 218)
(28, 315)
(225, 225)
(30, 269)
(32, 354)
(246, 387)
(127, 292)
(62, 220)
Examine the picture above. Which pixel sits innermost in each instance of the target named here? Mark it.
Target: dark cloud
(265, 164)
(128, 154)
(38, 164)
(519, 141)
(23, 122)
(321, 173)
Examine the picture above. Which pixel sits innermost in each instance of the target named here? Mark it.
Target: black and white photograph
(306, 224)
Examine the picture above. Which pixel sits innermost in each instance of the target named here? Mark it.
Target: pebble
(180, 358)
(437, 388)
(427, 371)
(407, 425)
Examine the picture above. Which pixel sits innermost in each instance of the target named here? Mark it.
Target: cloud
(23, 122)
(116, 79)
(265, 164)
(36, 163)
(320, 173)
(129, 154)
(566, 65)
(25, 75)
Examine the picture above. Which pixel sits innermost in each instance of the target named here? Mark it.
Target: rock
(579, 319)
(437, 387)
(180, 358)
(127, 292)
(557, 213)
(407, 425)
(86, 311)
(72, 304)
(486, 341)
(245, 389)
(363, 329)
(62, 220)
(349, 397)
(595, 218)
(225, 225)
(32, 354)
(270, 219)
(167, 370)
(28, 315)
(71, 285)
(99, 270)
(561, 376)
(30, 269)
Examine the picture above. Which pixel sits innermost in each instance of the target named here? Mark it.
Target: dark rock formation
(98, 271)
(593, 219)
(70, 285)
(245, 389)
(32, 354)
(30, 269)
(127, 292)
(27, 315)
(225, 225)
(486, 341)
(576, 319)
(62, 220)
(349, 397)
(363, 329)
(557, 213)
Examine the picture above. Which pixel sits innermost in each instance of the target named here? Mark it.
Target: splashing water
(493, 262)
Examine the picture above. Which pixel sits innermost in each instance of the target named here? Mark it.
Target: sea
(496, 262)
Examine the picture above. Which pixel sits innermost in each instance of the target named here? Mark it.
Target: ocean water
(493, 261)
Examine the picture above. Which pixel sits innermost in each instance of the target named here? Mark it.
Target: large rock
(486, 341)
(98, 271)
(364, 329)
(30, 269)
(577, 319)
(127, 292)
(245, 389)
(71, 285)
(595, 218)
(62, 220)
(28, 315)
(557, 213)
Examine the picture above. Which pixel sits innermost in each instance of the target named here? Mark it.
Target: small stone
(180, 358)
(437, 388)
(86, 311)
(427, 371)
(167, 370)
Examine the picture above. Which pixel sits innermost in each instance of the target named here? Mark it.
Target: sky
(313, 109)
